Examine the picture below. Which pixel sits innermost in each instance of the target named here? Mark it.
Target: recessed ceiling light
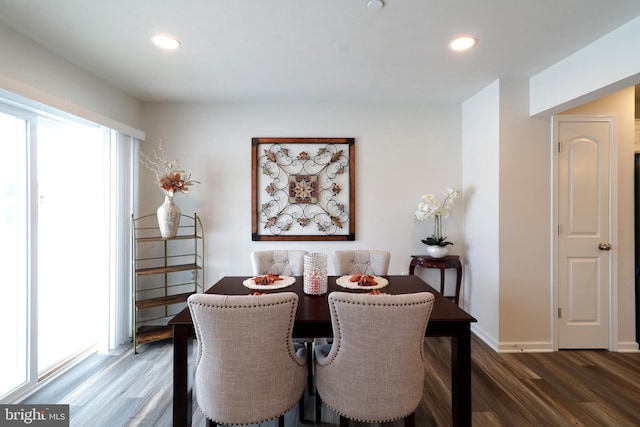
(375, 5)
(463, 43)
(165, 42)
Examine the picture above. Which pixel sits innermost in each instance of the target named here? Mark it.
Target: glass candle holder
(315, 274)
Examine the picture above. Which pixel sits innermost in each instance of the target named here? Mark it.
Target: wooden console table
(449, 261)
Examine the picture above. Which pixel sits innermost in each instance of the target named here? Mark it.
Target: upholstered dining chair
(373, 371)
(374, 262)
(285, 262)
(247, 368)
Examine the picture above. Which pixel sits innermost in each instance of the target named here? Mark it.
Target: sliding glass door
(72, 266)
(58, 209)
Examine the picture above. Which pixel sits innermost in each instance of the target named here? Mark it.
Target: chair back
(287, 263)
(246, 368)
(374, 370)
(374, 262)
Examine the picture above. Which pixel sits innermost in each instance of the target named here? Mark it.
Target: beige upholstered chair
(361, 261)
(247, 369)
(374, 371)
(287, 263)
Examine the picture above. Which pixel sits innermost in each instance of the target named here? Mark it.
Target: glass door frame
(28, 212)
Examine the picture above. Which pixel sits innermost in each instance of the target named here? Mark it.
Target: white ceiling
(321, 50)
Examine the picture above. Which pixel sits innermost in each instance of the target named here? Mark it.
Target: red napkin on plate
(364, 279)
(267, 279)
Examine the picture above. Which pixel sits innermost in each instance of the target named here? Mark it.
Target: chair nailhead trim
(292, 315)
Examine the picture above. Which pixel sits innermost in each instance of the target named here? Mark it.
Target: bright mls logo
(34, 415)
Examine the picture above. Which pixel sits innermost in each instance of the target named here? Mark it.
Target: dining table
(313, 320)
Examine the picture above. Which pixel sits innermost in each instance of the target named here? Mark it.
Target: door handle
(604, 246)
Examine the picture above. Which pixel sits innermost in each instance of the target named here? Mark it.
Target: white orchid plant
(430, 207)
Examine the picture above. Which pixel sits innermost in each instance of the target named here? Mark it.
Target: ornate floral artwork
(303, 189)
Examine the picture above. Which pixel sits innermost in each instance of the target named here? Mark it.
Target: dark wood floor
(567, 388)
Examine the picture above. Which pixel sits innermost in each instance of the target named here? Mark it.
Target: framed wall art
(303, 189)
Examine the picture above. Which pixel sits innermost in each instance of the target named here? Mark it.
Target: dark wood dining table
(314, 321)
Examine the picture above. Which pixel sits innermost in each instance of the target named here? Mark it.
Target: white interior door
(584, 251)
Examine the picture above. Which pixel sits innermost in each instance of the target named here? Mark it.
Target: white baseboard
(526, 347)
(536, 346)
(488, 340)
(511, 347)
(628, 347)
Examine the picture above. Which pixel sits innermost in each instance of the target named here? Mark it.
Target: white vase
(168, 217)
(435, 251)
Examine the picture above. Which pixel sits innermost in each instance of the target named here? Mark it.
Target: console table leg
(458, 284)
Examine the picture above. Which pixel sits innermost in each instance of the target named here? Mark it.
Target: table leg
(458, 283)
(180, 368)
(461, 376)
(442, 280)
(412, 267)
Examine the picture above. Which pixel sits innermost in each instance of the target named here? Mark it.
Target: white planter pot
(435, 251)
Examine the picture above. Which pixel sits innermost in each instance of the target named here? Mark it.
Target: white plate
(345, 282)
(278, 284)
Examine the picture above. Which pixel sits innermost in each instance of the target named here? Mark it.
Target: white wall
(525, 225)
(607, 65)
(481, 186)
(402, 152)
(27, 69)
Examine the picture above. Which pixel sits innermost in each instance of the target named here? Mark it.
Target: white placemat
(345, 282)
(284, 282)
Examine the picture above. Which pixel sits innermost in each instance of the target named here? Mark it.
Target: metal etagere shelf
(166, 271)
